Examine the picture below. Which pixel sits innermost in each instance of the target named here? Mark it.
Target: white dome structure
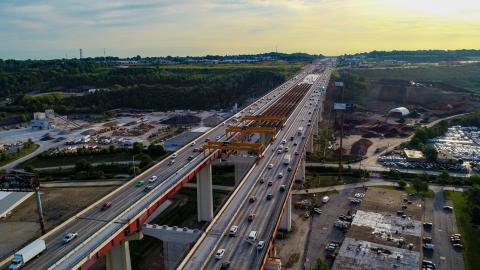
(399, 112)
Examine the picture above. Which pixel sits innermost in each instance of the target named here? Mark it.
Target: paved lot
(444, 256)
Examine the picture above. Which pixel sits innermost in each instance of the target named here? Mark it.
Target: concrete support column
(176, 241)
(205, 194)
(264, 139)
(118, 258)
(286, 220)
(173, 254)
(242, 165)
(301, 169)
(309, 146)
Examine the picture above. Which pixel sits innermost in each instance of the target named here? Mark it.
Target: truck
(24, 255)
(300, 131)
(286, 159)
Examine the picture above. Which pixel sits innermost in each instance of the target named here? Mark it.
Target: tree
(473, 197)
(137, 148)
(419, 185)
(320, 265)
(112, 149)
(401, 184)
(444, 177)
(156, 150)
(430, 153)
(145, 160)
(475, 179)
(83, 165)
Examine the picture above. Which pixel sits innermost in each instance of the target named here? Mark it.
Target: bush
(402, 184)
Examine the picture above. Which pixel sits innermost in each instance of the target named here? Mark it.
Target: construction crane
(234, 146)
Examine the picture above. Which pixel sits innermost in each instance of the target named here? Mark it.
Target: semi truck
(24, 255)
(286, 159)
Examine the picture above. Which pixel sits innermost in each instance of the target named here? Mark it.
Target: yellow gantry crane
(234, 146)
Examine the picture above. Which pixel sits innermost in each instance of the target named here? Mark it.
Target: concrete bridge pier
(286, 219)
(205, 194)
(176, 241)
(118, 258)
(309, 146)
(301, 169)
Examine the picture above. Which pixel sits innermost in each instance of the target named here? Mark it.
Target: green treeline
(422, 55)
(158, 87)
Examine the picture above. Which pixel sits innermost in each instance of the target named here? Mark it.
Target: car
(331, 247)
(284, 141)
(225, 265)
(279, 151)
(428, 246)
(69, 237)
(152, 179)
(251, 217)
(106, 205)
(173, 156)
(269, 196)
(260, 245)
(262, 180)
(270, 183)
(448, 208)
(295, 143)
(285, 149)
(148, 188)
(219, 254)
(196, 149)
(252, 199)
(427, 225)
(218, 138)
(292, 138)
(171, 162)
(191, 157)
(207, 140)
(296, 153)
(140, 183)
(283, 188)
(233, 231)
(427, 239)
(289, 168)
(459, 246)
(317, 211)
(192, 143)
(270, 166)
(280, 175)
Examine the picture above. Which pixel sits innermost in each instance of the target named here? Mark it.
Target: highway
(96, 227)
(240, 253)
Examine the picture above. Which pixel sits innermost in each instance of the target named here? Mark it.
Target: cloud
(159, 27)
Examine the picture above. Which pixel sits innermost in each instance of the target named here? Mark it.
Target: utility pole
(340, 154)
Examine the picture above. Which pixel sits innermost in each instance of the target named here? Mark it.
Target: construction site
(386, 114)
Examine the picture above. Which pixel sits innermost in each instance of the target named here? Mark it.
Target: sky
(48, 29)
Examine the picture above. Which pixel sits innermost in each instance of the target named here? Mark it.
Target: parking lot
(311, 236)
(444, 256)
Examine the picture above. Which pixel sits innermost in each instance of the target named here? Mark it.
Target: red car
(106, 205)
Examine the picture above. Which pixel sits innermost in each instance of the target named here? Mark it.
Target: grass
(23, 152)
(41, 162)
(408, 189)
(470, 233)
(465, 75)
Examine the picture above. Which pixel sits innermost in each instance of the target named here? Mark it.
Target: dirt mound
(360, 147)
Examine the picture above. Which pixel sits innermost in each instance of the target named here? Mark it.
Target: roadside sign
(339, 84)
(19, 182)
(343, 106)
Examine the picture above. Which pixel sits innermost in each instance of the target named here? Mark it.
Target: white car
(270, 166)
(260, 245)
(233, 230)
(69, 237)
(217, 138)
(152, 178)
(219, 254)
(173, 156)
(284, 141)
(192, 144)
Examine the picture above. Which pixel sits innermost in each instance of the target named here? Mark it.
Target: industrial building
(177, 142)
